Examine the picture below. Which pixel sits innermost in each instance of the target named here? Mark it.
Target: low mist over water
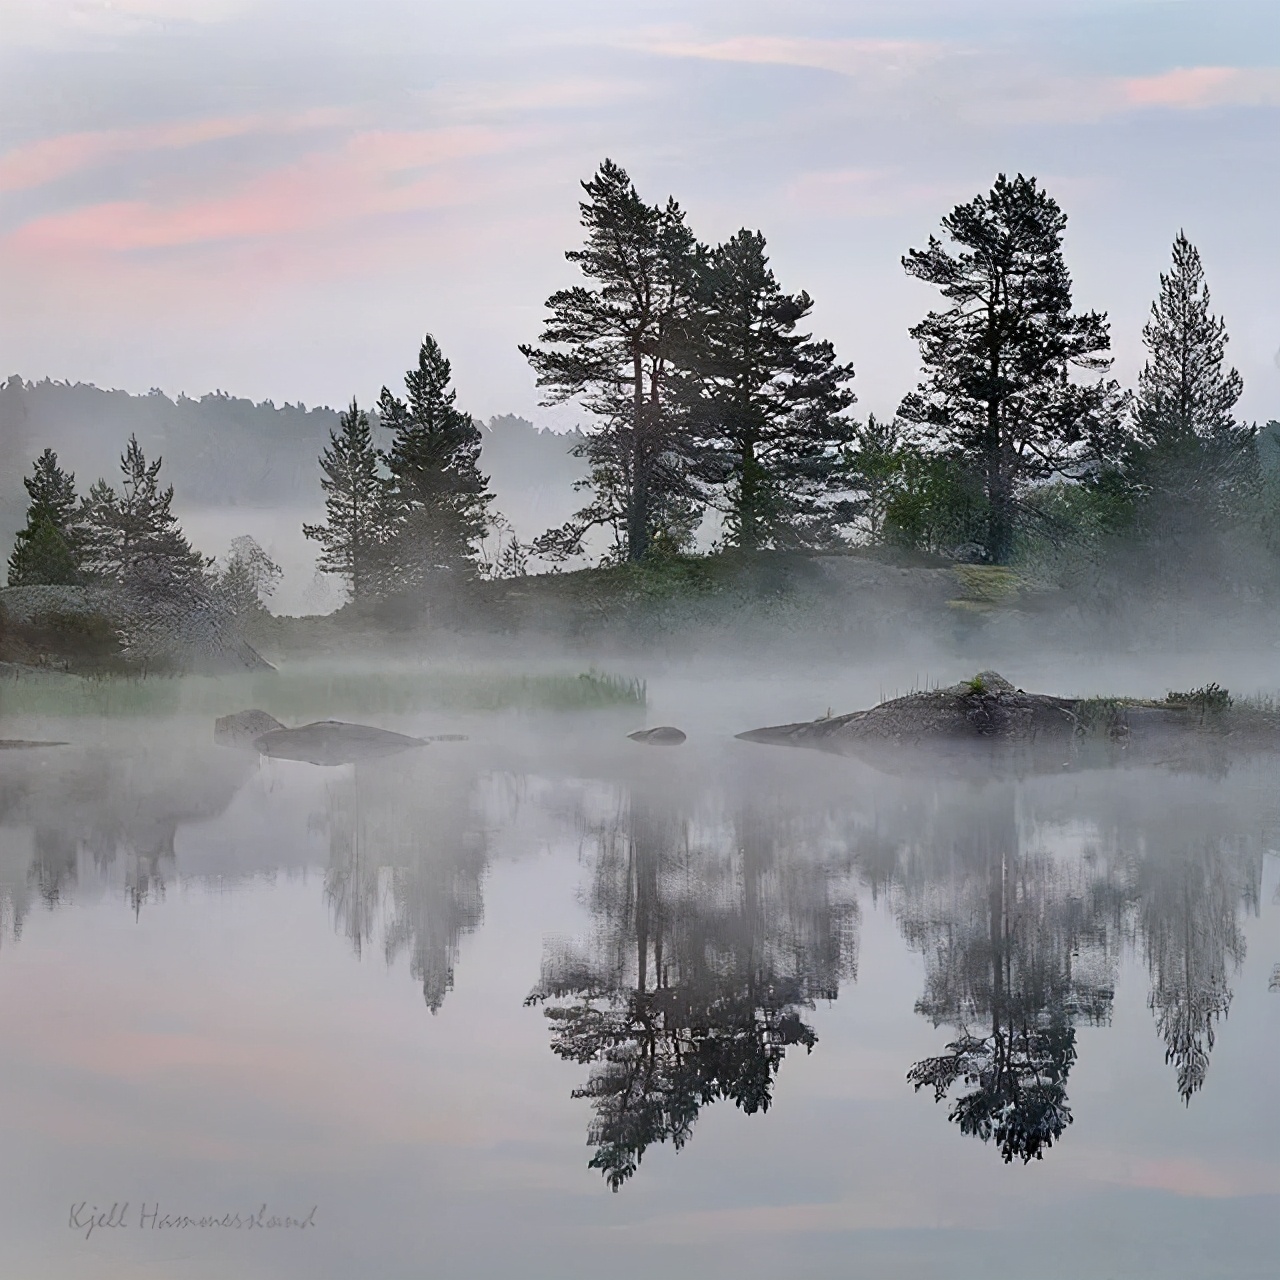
(781, 1003)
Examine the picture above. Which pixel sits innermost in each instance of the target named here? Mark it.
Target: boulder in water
(331, 742)
(665, 735)
(243, 728)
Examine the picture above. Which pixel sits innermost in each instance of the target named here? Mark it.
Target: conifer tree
(134, 537)
(998, 392)
(1189, 460)
(50, 547)
(613, 343)
(355, 502)
(768, 402)
(439, 500)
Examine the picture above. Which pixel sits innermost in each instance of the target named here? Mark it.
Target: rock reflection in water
(713, 936)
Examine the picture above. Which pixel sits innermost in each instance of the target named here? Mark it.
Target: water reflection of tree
(710, 943)
(1019, 948)
(1196, 869)
(407, 857)
(103, 817)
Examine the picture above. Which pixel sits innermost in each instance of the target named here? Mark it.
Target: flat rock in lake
(332, 742)
(987, 721)
(665, 735)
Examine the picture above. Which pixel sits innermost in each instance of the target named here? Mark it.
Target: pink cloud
(371, 174)
(1189, 88)
(40, 163)
(843, 56)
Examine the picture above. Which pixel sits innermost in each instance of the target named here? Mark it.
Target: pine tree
(768, 402)
(998, 392)
(439, 498)
(50, 547)
(613, 344)
(355, 504)
(134, 537)
(1189, 461)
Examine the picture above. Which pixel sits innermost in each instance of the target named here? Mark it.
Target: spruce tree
(768, 402)
(50, 547)
(134, 537)
(613, 343)
(355, 502)
(998, 393)
(439, 499)
(1189, 461)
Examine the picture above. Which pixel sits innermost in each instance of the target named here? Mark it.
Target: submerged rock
(331, 742)
(243, 728)
(665, 735)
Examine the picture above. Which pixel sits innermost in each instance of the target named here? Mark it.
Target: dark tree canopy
(50, 547)
(355, 500)
(1190, 462)
(613, 343)
(767, 401)
(998, 391)
(438, 498)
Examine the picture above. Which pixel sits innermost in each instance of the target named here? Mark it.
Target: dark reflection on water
(406, 861)
(714, 933)
(724, 899)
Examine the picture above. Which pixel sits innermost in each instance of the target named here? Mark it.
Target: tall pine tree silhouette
(998, 392)
(614, 342)
(768, 399)
(355, 501)
(439, 500)
(1191, 463)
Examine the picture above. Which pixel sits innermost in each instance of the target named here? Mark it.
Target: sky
(277, 198)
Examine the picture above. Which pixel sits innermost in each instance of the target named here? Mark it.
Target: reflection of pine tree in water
(103, 819)
(1189, 899)
(707, 949)
(410, 858)
(1018, 943)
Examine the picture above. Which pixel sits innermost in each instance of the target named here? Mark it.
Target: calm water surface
(547, 1004)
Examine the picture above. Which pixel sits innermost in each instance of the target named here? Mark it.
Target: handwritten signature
(149, 1217)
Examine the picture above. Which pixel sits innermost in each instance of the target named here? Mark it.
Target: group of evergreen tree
(704, 390)
(409, 517)
(127, 537)
(706, 394)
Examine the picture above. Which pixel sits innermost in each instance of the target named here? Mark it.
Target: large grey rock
(664, 735)
(332, 742)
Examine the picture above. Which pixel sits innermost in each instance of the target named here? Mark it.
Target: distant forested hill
(223, 451)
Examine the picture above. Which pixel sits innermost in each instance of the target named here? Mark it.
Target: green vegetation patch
(303, 694)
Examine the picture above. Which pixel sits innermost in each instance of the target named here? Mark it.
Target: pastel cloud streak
(46, 161)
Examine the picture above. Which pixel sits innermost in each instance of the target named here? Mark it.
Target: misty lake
(548, 1003)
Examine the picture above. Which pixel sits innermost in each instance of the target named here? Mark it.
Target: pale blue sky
(278, 198)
